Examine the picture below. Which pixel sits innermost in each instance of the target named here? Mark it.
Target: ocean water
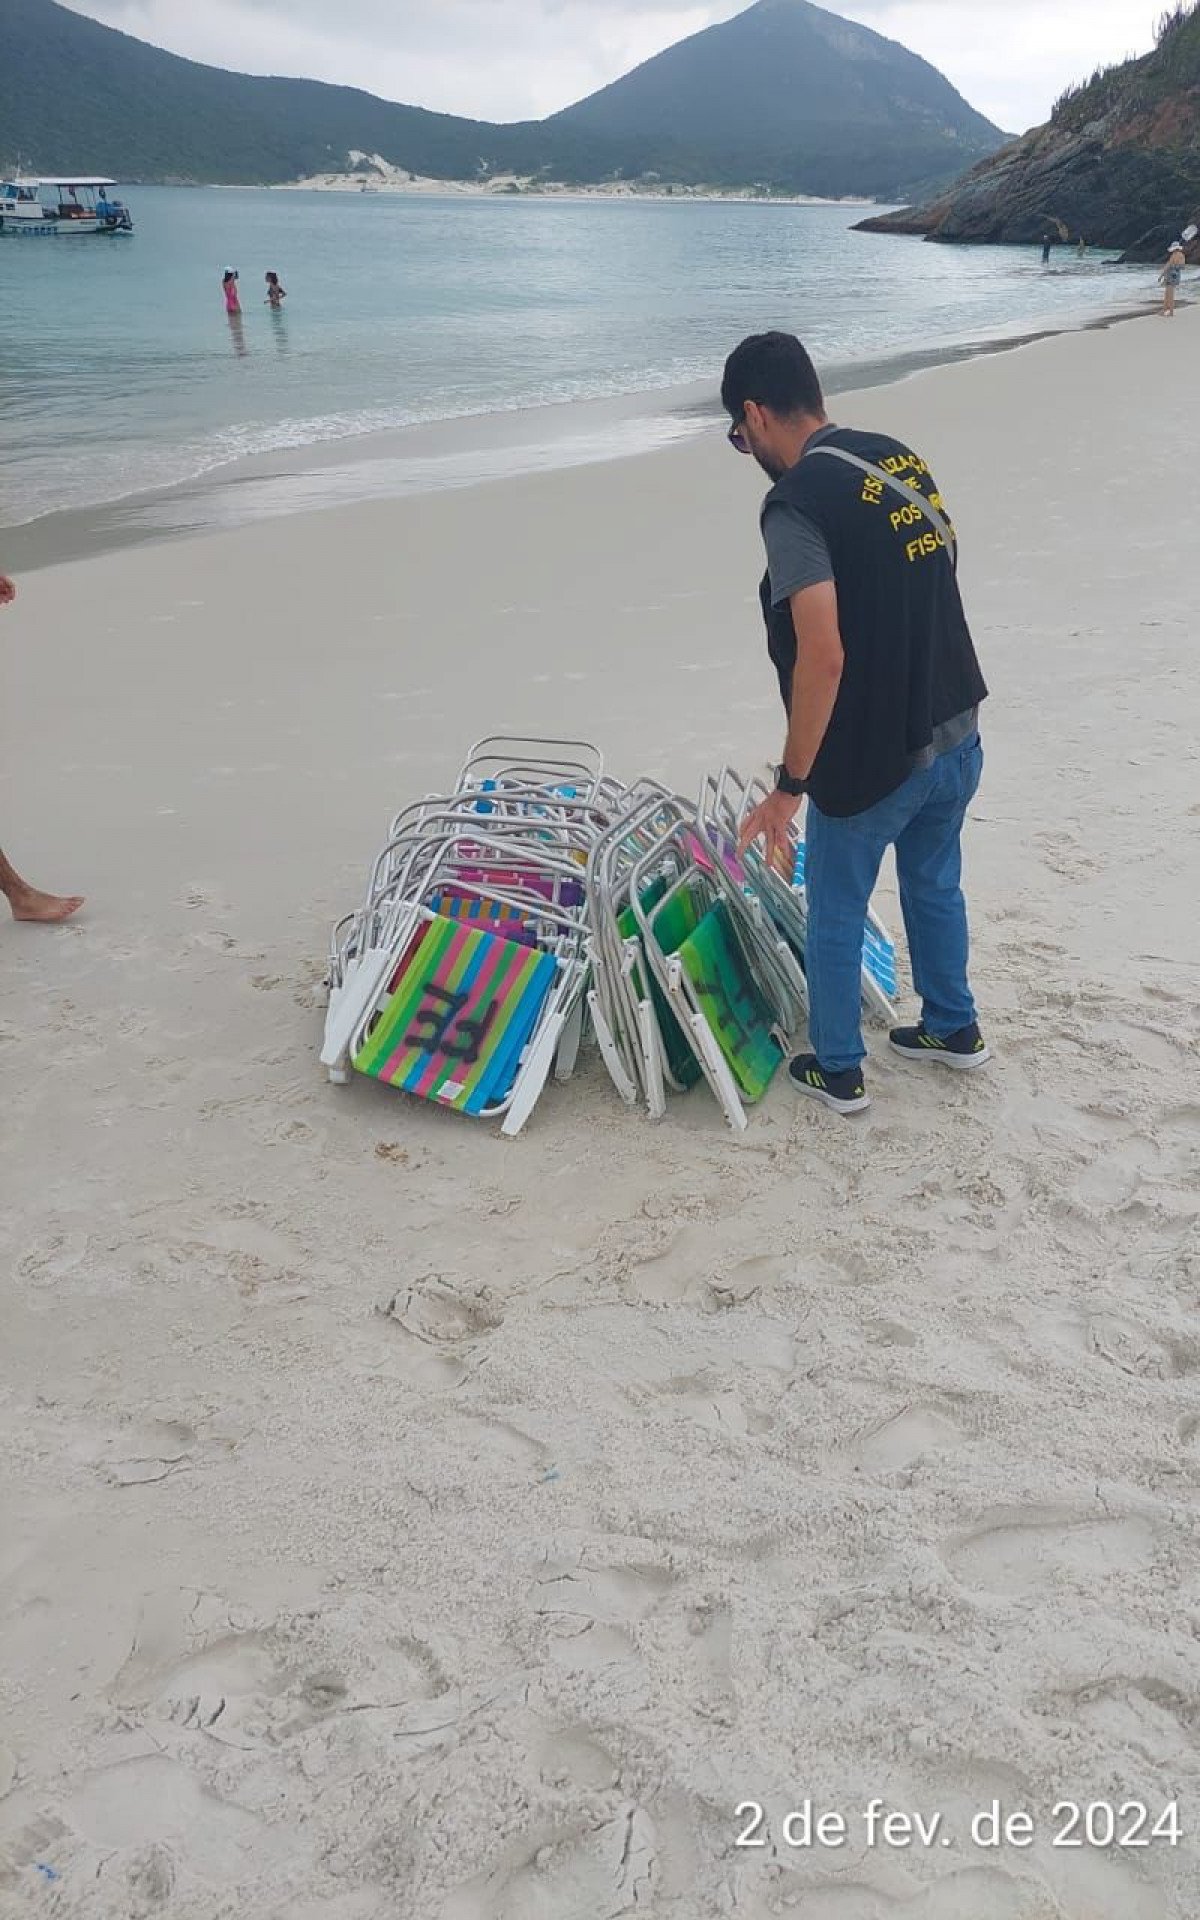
(121, 373)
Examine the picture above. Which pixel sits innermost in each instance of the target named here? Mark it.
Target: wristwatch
(786, 782)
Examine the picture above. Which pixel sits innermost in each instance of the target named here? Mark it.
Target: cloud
(520, 59)
(1012, 58)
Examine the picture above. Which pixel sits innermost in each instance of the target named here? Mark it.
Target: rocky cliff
(1118, 162)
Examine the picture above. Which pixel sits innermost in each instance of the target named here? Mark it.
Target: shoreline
(468, 189)
(402, 1521)
(459, 451)
(374, 174)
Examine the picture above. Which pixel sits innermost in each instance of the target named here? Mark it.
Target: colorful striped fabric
(551, 887)
(454, 904)
(462, 1006)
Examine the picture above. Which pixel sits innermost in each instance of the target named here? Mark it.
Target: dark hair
(274, 277)
(230, 274)
(774, 370)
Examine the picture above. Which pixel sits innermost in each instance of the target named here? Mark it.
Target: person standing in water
(1170, 278)
(230, 290)
(1047, 243)
(27, 902)
(276, 295)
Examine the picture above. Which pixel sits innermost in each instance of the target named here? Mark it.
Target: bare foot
(28, 904)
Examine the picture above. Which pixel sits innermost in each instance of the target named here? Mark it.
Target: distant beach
(379, 176)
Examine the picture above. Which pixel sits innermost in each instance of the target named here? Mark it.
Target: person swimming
(276, 295)
(230, 290)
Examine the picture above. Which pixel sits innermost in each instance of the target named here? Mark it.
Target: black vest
(909, 659)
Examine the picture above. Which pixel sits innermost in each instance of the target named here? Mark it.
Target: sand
(377, 175)
(398, 1522)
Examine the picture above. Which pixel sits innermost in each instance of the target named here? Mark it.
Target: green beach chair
(701, 952)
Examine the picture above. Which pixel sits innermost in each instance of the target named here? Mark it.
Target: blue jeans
(923, 820)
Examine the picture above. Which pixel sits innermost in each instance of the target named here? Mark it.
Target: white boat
(42, 208)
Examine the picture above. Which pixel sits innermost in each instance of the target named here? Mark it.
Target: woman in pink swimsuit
(229, 288)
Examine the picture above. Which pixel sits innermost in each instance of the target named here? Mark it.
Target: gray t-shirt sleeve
(797, 551)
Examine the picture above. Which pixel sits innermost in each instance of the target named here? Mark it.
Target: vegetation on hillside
(784, 97)
(1138, 86)
(1118, 161)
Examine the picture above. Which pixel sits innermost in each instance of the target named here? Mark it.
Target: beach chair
(731, 800)
(524, 867)
(701, 947)
(461, 1012)
(541, 894)
(501, 763)
(640, 1040)
(456, 1018)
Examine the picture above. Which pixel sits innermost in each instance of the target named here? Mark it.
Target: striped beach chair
(457, 1016)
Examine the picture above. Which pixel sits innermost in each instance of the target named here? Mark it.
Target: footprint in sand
(1067, 855)
(1148, 1046)
(576, 1591)
(192, 1674)
(708, 1404)
(590, 1607)
(976, 1892)
(572, 1757)
(36, 1841)
(889, 1333)
(1149, 1716)
(188, 1673)
(681, 1275)
(153, 1799)
(1020, 1549)
(610, 1870)
(891, 1445)
(1112, 1178)
(57, 1258)
(1117, 1343)
(137, 1885)
(496, 1444)
(434, 1310)
(433, 1330)
(146, 1453)
(223, 1691)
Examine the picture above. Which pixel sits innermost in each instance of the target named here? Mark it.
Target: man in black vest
(878, 673)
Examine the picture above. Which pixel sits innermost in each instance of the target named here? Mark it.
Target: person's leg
(26, 901)
(842, 861)
(929, 869)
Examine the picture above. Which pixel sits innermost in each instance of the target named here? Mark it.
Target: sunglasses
(737, 436)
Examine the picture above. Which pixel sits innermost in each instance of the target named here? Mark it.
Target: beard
(772, 465)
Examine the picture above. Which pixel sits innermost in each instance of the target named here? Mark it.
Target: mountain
(75, 93)
(797, 97)
(1118, 161)
(785, 96)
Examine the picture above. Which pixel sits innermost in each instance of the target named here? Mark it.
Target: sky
(521, 59)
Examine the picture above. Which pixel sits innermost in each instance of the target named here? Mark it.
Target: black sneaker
(844, 1092)
(963, 1050)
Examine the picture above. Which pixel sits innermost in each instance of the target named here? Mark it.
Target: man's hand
(770, 822)
(8, 591)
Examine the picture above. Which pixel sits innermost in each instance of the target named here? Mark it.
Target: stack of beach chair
(542, 900)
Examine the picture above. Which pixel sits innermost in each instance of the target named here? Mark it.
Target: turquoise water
(120, 372)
